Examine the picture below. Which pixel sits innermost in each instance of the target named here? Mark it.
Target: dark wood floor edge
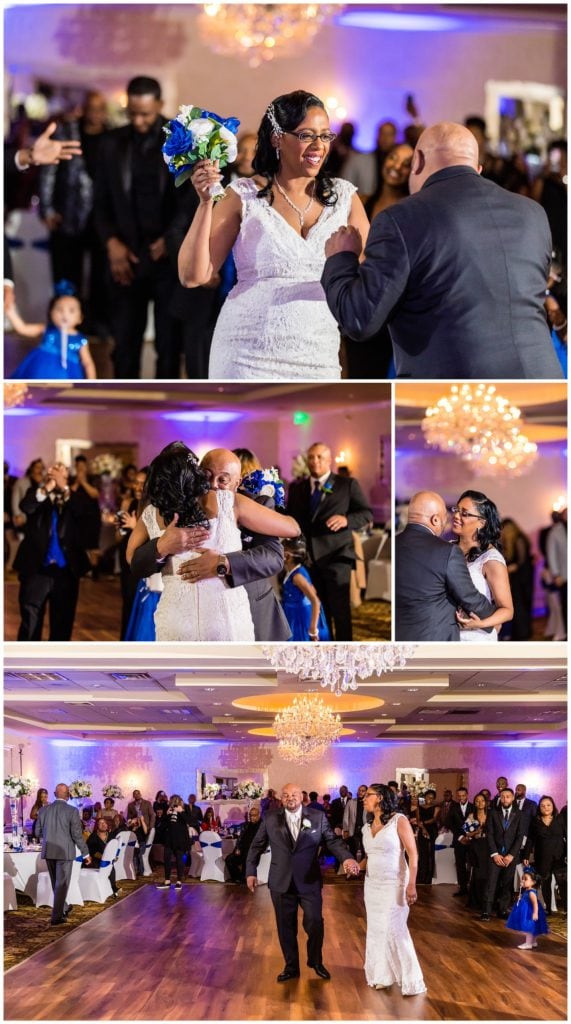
(76, 929)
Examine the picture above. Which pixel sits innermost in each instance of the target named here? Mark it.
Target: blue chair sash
(218, 844)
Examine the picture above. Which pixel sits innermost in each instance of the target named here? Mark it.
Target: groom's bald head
(443, 145)
(223, 469)
(427, 508)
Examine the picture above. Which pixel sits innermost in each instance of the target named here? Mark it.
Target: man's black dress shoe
(55, 924)
(287, 974)
(321, 971)
(485, 917)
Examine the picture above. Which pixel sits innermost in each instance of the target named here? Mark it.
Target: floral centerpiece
(248, 790)
(80, 789)
(15, 786)
(113, 791)
(106, 465)
(266, 482)
(197, 134)
(299, 467)
(211, 790)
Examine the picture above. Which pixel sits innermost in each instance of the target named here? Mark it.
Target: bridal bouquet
(80, 788)
(267, 482)
(15, 786)
(197, 134)
(113, 791)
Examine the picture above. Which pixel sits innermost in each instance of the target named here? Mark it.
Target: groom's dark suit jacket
(261, 558)
(432, 581)
(458, 271)
(295, 862)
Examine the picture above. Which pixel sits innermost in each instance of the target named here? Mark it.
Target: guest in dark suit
(337, 810)
(457, 815)
(134, 204)
(60, 831)
(458, 270)
(260, 559)
(294, 835)
(328, 507)
(527, 807)
(505, 837)
(236, 861)
(193, 812)
(432, 580)
(51, 558)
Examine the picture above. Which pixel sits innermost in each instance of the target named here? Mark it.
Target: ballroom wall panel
(274, 439)
(172, 764)
(369, 72)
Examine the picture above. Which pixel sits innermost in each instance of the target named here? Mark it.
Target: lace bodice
(275, 322)
(224, 531)
(386, 862)
(476, 570)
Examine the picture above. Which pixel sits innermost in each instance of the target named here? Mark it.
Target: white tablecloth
(23, 866)
(445, 867)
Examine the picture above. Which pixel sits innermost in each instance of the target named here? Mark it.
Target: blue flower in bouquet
(266, 482)
(179, 141)
(470, 825)
(197, 134)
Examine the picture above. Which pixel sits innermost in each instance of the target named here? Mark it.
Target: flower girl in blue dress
(528, 915)
(300, 602)
(63, 354)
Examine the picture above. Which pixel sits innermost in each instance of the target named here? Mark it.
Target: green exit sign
(299, 418)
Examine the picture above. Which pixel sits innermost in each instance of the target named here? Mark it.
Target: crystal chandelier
(305, 729)
(15, 394)
(481, 427)
(338, 665)
(261, 32)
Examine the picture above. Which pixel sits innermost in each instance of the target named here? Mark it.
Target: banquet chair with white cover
(44, 894)
(146, 848)
(196, 858)
(263, 871)
(94, 882)
(125, 866)
(214, 867)
(444, 862)
(379, 572)
(10, 900)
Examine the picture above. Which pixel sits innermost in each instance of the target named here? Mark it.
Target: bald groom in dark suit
(59, 828)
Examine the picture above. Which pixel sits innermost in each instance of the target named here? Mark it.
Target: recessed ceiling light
(396, 704)
(209, 689)
(412, 689)
(216, 703)
(227, 714)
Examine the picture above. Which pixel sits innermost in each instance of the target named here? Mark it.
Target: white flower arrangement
(299, 467)
(79, 788)
(211, 790)
(113, 791)
(16, 785)
(248, 790)
(106, 465)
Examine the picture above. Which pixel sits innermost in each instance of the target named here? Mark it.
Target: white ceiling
(510, 690)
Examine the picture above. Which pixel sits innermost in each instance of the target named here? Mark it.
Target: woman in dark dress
(427, 817)
(478, 855)
(516, 549)
(547, 841)
(176, 838)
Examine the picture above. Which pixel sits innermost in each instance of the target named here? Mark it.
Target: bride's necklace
(301, 213)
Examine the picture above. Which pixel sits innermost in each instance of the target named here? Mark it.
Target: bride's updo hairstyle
(288, 111)
(174, 483)
(490, 531)
(386, 798)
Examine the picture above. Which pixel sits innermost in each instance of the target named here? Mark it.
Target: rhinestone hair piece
(271, 115)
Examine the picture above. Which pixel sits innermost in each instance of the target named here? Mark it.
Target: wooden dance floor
(210, 952)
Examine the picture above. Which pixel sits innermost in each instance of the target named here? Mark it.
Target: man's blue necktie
(315, 499)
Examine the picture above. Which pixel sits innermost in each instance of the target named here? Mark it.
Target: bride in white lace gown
(275, 323)
(476, 524)
(390, 890)
(209, 609)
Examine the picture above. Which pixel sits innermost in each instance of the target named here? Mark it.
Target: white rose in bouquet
(202, 128)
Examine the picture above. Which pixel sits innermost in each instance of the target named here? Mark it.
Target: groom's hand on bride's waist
(203, 568)
(178, 539)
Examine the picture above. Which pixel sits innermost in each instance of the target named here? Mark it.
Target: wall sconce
(343, 457)
(334, 109)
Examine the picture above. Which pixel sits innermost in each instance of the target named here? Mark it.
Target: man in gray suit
(260, 559)
(457, 271)
(59, 828)
(431, 577)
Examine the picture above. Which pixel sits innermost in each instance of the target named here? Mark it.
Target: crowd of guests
(494, 835)
(55, 522)
(131, 249)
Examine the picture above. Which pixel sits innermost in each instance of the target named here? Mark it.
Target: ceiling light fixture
(338, 666)
(305, 729)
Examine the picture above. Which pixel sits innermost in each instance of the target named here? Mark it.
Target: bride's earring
(277, 152)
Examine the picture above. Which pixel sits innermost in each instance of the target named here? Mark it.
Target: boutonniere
(327, 487)
(305, 825)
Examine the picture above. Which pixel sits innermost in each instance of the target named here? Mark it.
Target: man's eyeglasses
(307, 136)
(464, 513)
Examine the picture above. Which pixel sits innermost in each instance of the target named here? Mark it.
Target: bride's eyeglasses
(464, 513)
(307, 136)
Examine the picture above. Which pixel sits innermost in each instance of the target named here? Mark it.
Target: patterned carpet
(372, 621)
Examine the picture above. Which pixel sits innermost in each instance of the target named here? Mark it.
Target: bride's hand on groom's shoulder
(345, 239)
